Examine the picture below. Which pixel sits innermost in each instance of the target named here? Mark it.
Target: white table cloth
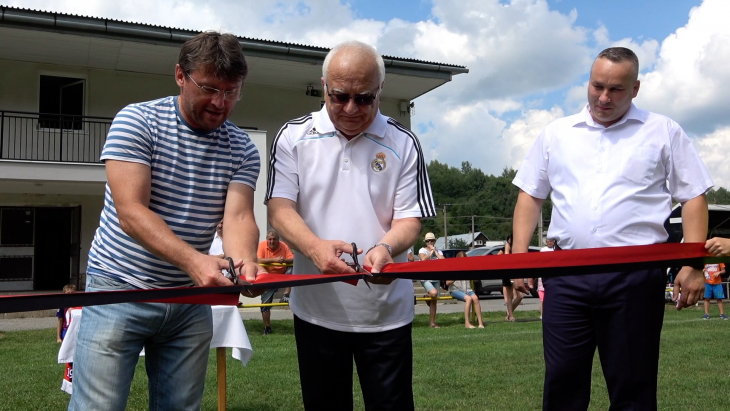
(228, 331)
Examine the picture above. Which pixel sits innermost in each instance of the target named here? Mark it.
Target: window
(61, 102)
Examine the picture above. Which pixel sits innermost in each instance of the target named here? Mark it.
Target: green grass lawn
(498, 368)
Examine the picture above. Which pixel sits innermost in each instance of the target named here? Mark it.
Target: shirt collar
(634, 114)
(323, 124)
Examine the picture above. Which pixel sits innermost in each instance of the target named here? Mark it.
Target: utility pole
(446, 233)
(539, 231)
(472, 232)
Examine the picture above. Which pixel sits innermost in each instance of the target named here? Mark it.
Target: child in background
(62, 326)
(64, 320)
(713, 288)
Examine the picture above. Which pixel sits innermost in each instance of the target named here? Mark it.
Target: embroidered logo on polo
(378, 165)
(312, 131)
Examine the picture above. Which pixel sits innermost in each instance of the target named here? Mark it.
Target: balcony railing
(52, 137)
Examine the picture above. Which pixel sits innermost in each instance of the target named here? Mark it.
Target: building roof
(139, 32)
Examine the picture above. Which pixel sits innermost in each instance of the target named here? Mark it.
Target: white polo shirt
(350, 191)
(612, 186)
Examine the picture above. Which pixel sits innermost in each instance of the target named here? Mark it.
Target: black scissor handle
(356, 264)
(232, 271)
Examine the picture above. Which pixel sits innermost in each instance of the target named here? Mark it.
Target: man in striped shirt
(341, 175)
(175, 167)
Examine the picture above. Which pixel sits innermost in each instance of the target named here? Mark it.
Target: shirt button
(594, 230)
(347, 160)
(595, 208)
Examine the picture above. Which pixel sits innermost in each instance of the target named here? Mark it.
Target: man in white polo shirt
(613, 170)
(349, 174)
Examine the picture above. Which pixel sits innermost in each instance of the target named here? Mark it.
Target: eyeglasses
(430, 241)
(228, 95)
(360, 99)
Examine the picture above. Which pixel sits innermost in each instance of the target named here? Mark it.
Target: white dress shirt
(612, 186)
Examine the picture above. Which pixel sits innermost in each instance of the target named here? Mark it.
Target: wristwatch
(387, 247)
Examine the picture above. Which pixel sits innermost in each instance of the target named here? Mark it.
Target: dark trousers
(621, 314)
(384, 363)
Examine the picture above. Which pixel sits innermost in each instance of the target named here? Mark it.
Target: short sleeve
(413, 196)
(261, 250)
(129, 137)
(532, 176)
(283, 174)
(687, 175)
(250, 166)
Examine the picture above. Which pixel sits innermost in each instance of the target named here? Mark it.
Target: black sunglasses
(360, 99)
(430, 241)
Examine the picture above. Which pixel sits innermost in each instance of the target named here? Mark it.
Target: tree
(719, 196)
(458, 243)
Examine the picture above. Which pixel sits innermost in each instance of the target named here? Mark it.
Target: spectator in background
(718, 246)
(713, 288)
(64, 321)
(216, 247)
(549, 246)
(273, 251)
(430, 252)
(410, 255)
(61, 314)
(512, 297)
(461, 290)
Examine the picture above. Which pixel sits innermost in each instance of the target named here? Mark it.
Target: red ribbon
(564, 262)
(557, 263)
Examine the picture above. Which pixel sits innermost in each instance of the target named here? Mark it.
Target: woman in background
(462, 291)
(507, 291)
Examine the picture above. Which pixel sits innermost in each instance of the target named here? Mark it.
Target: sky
(529, 60)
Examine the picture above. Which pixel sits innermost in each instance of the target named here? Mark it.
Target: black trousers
(621, 314)
(384, 363)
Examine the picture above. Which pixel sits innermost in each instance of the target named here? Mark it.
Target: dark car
(451, 252)
(486, 287)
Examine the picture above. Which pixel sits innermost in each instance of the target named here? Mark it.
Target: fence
(52, 137)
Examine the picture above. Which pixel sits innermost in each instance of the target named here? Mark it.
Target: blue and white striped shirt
(190, 176)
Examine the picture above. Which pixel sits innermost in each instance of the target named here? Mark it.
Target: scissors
(235, 279)
(357, 267)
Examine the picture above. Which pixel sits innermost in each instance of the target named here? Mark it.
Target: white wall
(107, 92)
(263, 107)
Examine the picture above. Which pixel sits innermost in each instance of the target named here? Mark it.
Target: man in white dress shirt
(613, 171)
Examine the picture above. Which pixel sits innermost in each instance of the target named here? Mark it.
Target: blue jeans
(460, 295)
(176, 338)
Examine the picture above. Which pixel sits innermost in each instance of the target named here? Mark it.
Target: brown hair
(69, 288)
(460, 254)
(214, 52)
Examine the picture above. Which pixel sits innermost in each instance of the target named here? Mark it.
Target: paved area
(489, 303)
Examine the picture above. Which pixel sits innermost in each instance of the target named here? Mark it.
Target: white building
(64, 77)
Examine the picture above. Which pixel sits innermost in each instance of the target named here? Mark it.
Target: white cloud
(646, 51)
(713, 149)
(518, 52)
(522, 133)
(691, 73)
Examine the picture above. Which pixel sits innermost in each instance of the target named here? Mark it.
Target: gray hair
(360, 48)
(619, 55)
(272, 232)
